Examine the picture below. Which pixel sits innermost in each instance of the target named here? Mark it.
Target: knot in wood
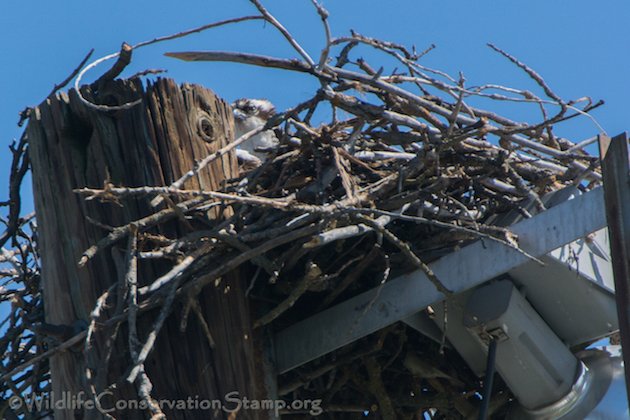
(205, 128)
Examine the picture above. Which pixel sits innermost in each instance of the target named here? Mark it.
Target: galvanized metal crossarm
(459, 271)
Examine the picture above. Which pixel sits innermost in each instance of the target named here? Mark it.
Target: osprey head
(246, 108)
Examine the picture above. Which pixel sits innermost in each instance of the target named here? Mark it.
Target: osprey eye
(248, 108)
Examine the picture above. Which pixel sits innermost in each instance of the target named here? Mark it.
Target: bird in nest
(250, 114)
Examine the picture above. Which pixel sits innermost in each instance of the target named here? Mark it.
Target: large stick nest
(377, 174)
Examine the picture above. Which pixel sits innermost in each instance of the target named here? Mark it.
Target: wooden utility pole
(615, 171)
(153, 143)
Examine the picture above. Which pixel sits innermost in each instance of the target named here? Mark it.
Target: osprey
(248, 115)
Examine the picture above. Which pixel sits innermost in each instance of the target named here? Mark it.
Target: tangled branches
(376, 174)
(21, 296)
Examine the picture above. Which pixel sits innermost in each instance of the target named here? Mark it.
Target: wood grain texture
(154, 143)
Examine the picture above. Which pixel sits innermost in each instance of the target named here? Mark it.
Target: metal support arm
(405, 295)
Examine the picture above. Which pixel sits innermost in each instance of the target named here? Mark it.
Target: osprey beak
(239, 115)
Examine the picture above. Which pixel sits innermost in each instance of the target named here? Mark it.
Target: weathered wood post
(154, 143)
(615, 165)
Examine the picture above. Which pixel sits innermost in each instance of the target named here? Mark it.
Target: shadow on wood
(154, 143)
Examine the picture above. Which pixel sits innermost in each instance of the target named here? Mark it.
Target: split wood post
(153, 143)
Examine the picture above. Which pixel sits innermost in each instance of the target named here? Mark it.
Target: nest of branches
(20, 294)
(400, 170)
